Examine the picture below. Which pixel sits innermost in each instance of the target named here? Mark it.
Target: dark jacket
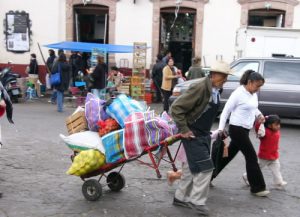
(191, 104)
(99, 76)
(33, 67)
(78, 64)
(195, 72)
(65, 71)
(50, 62)
(157, 71)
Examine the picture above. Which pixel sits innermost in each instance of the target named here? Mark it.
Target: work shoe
(245, 178)
(177, 202)
(200, 209)
(261, 193)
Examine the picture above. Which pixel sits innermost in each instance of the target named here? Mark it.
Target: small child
(268, 155)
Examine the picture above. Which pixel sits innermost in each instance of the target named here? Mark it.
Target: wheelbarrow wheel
(92, 190)
(115, 181)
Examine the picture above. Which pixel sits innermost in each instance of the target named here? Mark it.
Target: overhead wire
(177, 8)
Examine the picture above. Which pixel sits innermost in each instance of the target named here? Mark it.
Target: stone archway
(284, 5)
(198, 5)
(111, 4)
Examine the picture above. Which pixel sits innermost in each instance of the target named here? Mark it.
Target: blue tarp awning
(88, 47)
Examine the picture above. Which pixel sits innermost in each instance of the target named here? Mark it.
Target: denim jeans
(54, 96)
(60, 100)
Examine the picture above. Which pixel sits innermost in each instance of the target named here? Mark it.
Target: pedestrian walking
(98, 77)
(53, 97)
(33, 65)
(168, 82)
(72, 63)
(194, 113)
(268, 154)
(242, 107)
(157, 74)
(64, 68)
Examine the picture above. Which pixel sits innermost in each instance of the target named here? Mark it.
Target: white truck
(255, 41)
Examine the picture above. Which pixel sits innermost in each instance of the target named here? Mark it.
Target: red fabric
(136, 139)
(2, 111)
(269, 144)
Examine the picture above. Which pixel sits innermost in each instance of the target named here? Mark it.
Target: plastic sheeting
(88, 47)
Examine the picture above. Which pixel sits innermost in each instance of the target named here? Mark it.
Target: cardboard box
(76, 123)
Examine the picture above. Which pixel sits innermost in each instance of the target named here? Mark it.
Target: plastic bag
(47, 78)
(114, 146)
(94, 111)
(83, 141)
(122, 107)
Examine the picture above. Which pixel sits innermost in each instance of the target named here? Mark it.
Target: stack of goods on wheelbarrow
(105, 132)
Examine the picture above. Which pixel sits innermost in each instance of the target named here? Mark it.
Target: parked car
(280, 93)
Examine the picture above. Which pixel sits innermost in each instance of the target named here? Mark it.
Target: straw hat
(221, 67)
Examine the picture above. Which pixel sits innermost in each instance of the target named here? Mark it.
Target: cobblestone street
(34, 183)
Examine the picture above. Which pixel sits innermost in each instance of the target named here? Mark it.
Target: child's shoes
(173, 176)
(281, 185)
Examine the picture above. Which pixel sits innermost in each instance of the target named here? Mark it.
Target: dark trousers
(167, 95)
(158, 90)
(240, 141)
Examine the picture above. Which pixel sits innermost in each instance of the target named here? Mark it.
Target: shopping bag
(217, 155)
(163, 124)
(48, 84)
(94, 111)
(122, 107)
(149, 115)
(113, 143)
(155, 132)
(55, 78)
(172, 125)
(135, 135)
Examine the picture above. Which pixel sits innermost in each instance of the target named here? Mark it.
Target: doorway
(91, 24)
(178, 37)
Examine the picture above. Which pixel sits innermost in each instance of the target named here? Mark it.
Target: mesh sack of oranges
(107, 126)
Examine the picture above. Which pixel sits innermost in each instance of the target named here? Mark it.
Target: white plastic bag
(48, 85)
(261, 131)
(84, 141)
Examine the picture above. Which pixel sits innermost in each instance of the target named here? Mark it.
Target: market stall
(135, 84)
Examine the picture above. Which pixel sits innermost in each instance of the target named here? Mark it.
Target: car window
(282, 72)
(240, 68)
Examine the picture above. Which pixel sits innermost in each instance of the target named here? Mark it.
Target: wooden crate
(137, 91)
(135, 80)
(76, 123)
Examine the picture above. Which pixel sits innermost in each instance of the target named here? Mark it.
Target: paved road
(33, 163)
